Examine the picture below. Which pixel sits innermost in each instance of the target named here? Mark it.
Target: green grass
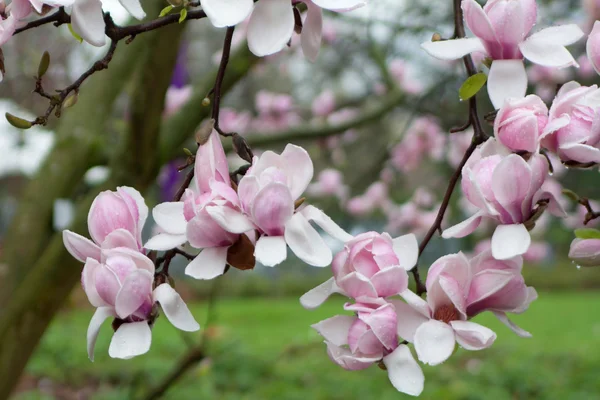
(265, 349)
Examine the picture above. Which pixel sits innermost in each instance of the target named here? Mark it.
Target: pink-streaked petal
(477, 21)
(504, 319)
(408, 320)
(509, 241)
(406, 248)
(404, 372)
(556, 124)
(120, 238)
(165, 241)
(383, 323)
(511, 185)
(272, 208)
(247, 190)
(270, 250)
(335, 329)
(455, 265)
(312, 31)
(582, 153)
(211, 163)
(169, 217)
(593, 47)
(434, 342)
(101, 315)
(507, 79)
(271, 26)
(298, 167)
(472, 336)
(453, 49)
(134, 8)
(136, 204)
(136, 289)
(80, 247)
(464, 228)
(306, 243)
(175, 309)
(585, 252)
(230, 219)
(140, 260)
(87, 21)
(357, 285)
(203, 231)
(487, 284)
(317, 296)
(417, 303)
(88, 281)
(345, 359)
(130, 340)
(209, 264)
(390, 281)
(226, 12)
(317, 216)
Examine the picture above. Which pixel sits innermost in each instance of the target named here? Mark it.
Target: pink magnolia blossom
(120, 286)
(357, 342)
(190, 219)
(585, 252)
(371, 265)
(330, 182)
(115, 219)
(400, 73)
(233, 121)
(267, 195)
(573, 130)
(423, 137)
(520, 123)
(323, 104)
(506, 189)
(272, 23)
(175, 98)
(593, 47)
(376, 196)
(502, 29)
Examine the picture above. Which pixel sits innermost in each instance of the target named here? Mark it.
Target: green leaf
(165, 11)
(44, 64)
(472, 85)
(182, 15)
(75, 35)
(18, 122)
(587, 233)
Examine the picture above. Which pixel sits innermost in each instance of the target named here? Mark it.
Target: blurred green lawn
(265, 349)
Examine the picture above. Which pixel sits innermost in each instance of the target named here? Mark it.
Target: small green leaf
(18, 122)
(570, 194)
(71, 100)
(182, 15)
(165, 11)
(75, 35)
(587, 233)
(472, 85)
(187, 152)
(44, 64)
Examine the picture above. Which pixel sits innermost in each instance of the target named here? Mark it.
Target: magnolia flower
(593, 46)
(506, 189)
(573, 130)
(330, 182)
(272, 22)
(268, 194)
(370, 266)
(120, 286)
(502, 30)
(190, 220)
(520, 123)
(357, 342)
(115, 219)
(585, 252)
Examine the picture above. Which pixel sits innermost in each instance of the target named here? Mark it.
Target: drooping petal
(101, 314)
(80, 247)
(409, 320)
(312, 31)
(335, 329)
(473, 336)
(507, 79)
(87, 21)
(404, 372)
(230, 219)
(165, 241)
(136, 289)
(226, 12)
(453, 49)
(406, 248)
(317, 296)
(317, 216)
(209, 264)
(306, 243)
(504, 319)
(130, 340)
(464, 228)
(270, 250)
(175, 308)
(509, 241)
(134, 8)
(169, 217)
(434, 342)
(271, 26)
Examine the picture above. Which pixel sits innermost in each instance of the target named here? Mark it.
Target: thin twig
(219, 80)
(591, 214)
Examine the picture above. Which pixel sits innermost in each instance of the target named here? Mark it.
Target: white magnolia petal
(306, 243)
(271, 26)
(80, 247)
(507, 79)
(209, 264)
(169, 217)
(509, 241)
(134, 8)
(561, 35)
(340, 5)
(324, 222)
(165, 241)
(230, 219)
(582, 153)
(316, 296)
(463, 228)
(335, 329)
(87, 21)
(473, 336)
(130, 340)
(504, 319)
(404, 372)
(409, 320)
(312, 30)
(453, 49)
(434, 342)
(270, 250)
(406, 248)
(101, 314)
(175, 309)
(226, 12)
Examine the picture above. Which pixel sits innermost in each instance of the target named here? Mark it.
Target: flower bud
(44, 64)
(520, 122)
(18, 122)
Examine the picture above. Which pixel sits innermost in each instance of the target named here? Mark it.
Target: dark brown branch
(58, 18)
(219, 80)
(591, 213)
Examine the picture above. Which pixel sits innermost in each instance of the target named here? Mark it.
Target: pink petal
(477, 21)
(404, 372)
(582, 153)
(335, 329)
(211, 163)
(317, 296)
(511, 184)
(464, 228)
(80, 247)
(383, 324)
(357, 285)
(101, 315)
(345, 359)
(175, 308)
(504, 319)
(272, 208)
(311, 32)
(230, 219)
(203, 231)
(585, 252)
(88, 281)
(120, 238)
(298, 167)
(109, 212)
(408, 319)
(472, 336)
(434, 342)
(135, 291)
(593, 47)
(130, 340)
(209, 264)
(390, 281)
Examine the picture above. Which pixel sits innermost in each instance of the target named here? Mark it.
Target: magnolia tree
(235, 218)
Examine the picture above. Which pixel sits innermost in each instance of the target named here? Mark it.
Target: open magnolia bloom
(357, 342)
(502, 30)
(371, 265)
(508, 190)
(573, 130)
(272, 22)
(120, 286)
